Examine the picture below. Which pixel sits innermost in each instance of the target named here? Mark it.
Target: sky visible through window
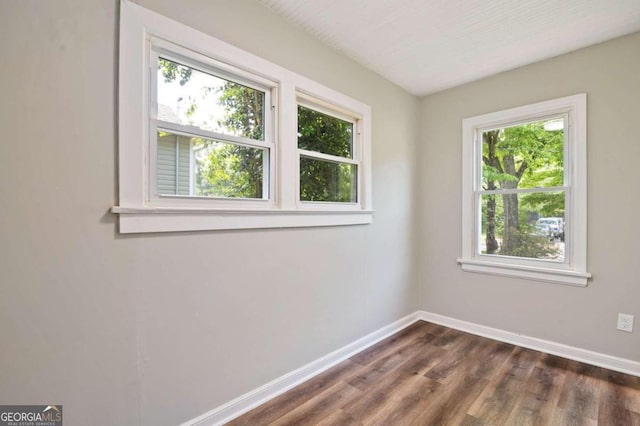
(195, 103)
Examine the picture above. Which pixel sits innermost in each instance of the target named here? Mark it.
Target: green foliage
(523, 156)
(527, 154)
(323, 180)
(227, 170)
(491, 174)
(244, 110)
(171, 70)
(548, 204)
(528, 244)
(323, 133)
(224, 169)
(231, 170)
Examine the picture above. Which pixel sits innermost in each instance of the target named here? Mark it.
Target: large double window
(524, 192)
(212, 137)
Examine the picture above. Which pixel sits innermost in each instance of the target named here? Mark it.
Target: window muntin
(328, 154)
(522, 181)
(223, 121)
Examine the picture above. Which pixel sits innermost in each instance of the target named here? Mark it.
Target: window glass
(327, 181)
(190, 97)
(528, 155)
(523, 225)
(324, 133)
(207, 168)
(522, 196)
(205, 136)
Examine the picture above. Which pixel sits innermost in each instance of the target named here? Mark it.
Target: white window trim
(356, 120)
(138, 213)
(574, 270)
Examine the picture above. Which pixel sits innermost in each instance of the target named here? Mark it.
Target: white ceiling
(429, 45)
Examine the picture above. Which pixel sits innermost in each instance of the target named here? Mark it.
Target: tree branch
(521, 170)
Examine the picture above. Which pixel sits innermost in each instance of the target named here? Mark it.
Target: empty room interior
(261, 212)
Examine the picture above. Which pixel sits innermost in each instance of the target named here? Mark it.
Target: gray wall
(157, 329)
(584, 317)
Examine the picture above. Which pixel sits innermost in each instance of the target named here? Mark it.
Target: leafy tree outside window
(221, 168)
(322, 180)
(524, 192)
(233, 170)
(522, 182)
(208, 138)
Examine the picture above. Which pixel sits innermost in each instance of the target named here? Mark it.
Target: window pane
(529, 155)
(324, 133)
(207, 168)
(194, 98)
(327, 181)
(523, 225)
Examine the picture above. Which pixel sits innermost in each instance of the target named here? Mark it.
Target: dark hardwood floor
(432, 375)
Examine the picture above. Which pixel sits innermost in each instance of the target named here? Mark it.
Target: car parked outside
(544, 230)
(555, 224)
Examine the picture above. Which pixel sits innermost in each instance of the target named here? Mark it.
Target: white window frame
(573, 271)
(355, 119)
(161, 48)
(140, 210)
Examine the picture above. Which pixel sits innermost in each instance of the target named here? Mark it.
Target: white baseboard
(583, 355)
(256, 397)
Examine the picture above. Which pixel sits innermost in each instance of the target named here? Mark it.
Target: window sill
(166, 219)
(557, 276)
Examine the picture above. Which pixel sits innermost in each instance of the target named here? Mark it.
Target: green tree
(521, 156)
(229, 170)
(239, 168)
(226, 169)
(232, 170)
(244, 110)
(323, 180)
(171, 70)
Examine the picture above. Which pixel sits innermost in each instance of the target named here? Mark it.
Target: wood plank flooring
(432, 375)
